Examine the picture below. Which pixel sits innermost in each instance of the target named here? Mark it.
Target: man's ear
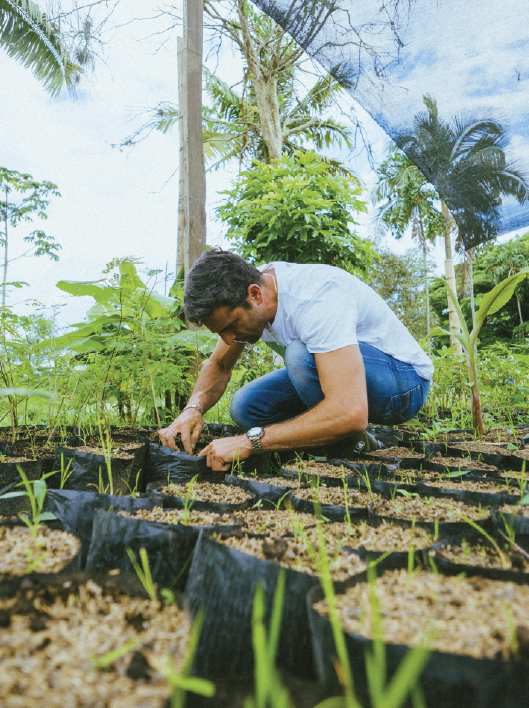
(255, 294)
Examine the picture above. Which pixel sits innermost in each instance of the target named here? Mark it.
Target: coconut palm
(465, 161)
(406, 199)
(29, 37)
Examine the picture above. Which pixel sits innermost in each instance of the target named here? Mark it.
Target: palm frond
(30, 38)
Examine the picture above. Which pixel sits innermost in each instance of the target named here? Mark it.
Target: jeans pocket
(403, 406)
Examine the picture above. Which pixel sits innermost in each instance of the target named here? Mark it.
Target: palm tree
(465, 161)
(232, 125)
(406, 199)
(30, 38)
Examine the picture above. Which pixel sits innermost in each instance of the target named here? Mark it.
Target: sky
(114, 202)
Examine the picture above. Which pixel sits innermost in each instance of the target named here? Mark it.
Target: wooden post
(192, 197)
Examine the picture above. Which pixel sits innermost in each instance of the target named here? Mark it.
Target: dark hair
(218, 278)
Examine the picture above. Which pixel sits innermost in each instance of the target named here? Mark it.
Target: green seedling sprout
(511, 628)
(347, 514)
(188, 502)
(134, 492)
(36, 491)
(181, 683)
(481, 530)
(490, 303)
(106, 446)
(143, 574)
(32, 563)
(105, 662)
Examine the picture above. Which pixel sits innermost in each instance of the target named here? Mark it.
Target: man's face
(239, 325)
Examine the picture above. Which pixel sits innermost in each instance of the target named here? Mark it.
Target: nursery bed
(427, 509)
(208, 492)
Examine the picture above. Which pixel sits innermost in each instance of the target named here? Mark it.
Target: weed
(105, 662)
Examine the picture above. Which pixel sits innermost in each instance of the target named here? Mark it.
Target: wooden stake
(192, 198)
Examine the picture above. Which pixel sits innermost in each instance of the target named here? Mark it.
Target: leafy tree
(28, 36)
(406, 199)
(135, 346)
(465, 160)
(297, 210)
(398, 281)
(32, 201)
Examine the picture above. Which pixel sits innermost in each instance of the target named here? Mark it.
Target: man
(348, 359)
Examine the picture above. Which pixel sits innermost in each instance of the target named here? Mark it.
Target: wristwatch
(254, 435)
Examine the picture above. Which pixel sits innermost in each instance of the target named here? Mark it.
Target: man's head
(224, 292)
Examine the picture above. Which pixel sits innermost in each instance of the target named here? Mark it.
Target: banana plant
(491, 303)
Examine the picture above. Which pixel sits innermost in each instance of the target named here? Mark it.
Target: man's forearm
(321, 425)
(211, 384)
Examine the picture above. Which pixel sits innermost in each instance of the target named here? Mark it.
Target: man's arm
(342, 411)
(212, 381)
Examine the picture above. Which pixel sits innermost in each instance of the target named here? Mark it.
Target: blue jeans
(395, 391)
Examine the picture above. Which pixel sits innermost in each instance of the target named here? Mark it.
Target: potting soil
(466, 615)
(53, 639)
(48, 552)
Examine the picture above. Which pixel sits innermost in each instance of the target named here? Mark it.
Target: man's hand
(189, 424)
(223, 452)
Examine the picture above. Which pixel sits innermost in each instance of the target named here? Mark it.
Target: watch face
(255, 432)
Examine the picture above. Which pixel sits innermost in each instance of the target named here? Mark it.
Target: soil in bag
(223, 581)
(75, 510)
(474, 663)
(87, 639)
(43, 549)
(169, 548)
(9, 479)
(470, 548)
(80, 470)
(218, 497)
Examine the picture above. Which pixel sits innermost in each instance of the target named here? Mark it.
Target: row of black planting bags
(222, 579)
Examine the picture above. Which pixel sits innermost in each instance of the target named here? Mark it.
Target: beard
(254, 329)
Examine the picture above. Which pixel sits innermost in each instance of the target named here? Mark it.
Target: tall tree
(22, 199)
(28, 36)
(465, 160)
(406, 200)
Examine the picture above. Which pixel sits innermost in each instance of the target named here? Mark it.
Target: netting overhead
(448, 80)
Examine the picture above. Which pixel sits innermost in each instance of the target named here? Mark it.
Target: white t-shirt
(327, 309)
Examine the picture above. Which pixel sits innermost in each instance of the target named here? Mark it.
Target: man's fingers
(167, 437)
(186, 440)
(204, 452)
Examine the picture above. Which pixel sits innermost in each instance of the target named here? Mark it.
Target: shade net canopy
(469, 58)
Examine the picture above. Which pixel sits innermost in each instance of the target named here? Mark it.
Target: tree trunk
(470, 259)
(5, 254)
(193, 182)
(426, 284)
(265, 88)
(451, 280)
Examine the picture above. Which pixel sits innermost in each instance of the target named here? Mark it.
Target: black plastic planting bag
(10, 477)
(76, 511)
(169, 548)
(223, 581)
(503, 521)
(88, 472)
(165, 465)
(448, 680)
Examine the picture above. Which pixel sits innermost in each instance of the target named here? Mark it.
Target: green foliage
(28, 36)
(406, 199)
(297, 210)
(131, 323)
(36, 491)
(398, 279)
